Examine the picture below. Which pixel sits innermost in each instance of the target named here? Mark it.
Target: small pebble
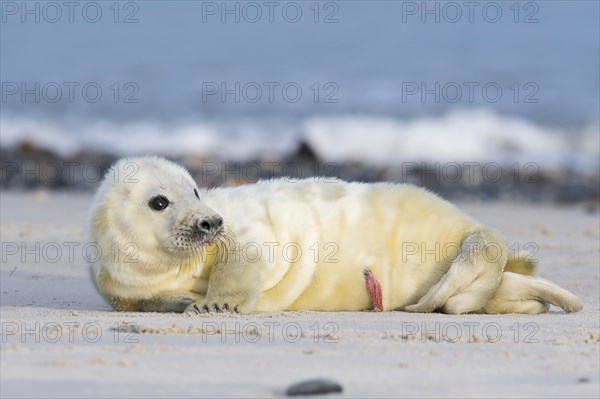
(313, 387)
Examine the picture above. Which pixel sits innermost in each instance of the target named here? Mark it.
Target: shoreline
(28, 168)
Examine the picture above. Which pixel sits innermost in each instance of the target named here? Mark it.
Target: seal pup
(166, 245)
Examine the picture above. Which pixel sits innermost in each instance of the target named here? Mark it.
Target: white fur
(426, 254)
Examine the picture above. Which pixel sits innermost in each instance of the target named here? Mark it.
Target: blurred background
(485, 100)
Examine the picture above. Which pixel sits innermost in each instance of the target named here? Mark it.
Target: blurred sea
(357, 81)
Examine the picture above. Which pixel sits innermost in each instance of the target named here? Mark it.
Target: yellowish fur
(426, 254)
(521, 263)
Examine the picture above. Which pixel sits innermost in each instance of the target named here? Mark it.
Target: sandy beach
(494, 106)
(59, 338)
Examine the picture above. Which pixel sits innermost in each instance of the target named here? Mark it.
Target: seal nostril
(204, 225)
(218, 222)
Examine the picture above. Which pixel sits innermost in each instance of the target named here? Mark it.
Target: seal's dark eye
(196, 192)
(158, 203)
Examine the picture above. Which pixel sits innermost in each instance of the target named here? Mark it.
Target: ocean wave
(458, 136)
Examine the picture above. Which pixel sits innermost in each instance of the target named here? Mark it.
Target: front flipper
(218, 305)
(232, 287)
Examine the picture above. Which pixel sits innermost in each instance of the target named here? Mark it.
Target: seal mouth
(212, 238)
(193, 239)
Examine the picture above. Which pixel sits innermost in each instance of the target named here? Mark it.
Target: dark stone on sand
(314, 387)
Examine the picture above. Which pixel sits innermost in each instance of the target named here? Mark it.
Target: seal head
(150, 211)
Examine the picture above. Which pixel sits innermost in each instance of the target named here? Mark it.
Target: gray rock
(314, 387)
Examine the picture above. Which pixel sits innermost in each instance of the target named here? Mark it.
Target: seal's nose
(210, 224)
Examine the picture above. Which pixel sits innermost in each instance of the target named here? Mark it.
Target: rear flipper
(471, 280)
(522, 294)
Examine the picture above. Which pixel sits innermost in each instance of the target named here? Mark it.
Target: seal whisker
(225, 242)
(179, 268)
(160, 183)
